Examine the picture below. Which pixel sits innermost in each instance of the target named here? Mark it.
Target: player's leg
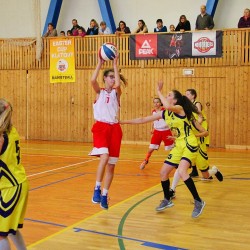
(146, 160)
(18, 240)
(4, 243)
(114, 153)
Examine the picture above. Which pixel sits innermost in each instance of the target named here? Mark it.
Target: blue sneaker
(104, 202)
(97, 195)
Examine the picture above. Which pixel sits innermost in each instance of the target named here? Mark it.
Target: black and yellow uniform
(186, 145)
(13, 185)
(204, 123)
(202, 158)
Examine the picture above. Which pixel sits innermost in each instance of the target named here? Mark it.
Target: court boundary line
(90, 217)
(54, 169)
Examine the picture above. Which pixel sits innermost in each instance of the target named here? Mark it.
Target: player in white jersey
(107, 133)
(160, 132)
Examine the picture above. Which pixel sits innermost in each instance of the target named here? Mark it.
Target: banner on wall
(62, 60)
(176, 45)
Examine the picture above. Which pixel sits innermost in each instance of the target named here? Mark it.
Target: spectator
(51, 31)
(81, 32)
(172, 28)
(160, 27)
(122, 29)
(142, 27)
(74, 30)
(204, 21)
(93, 29)
(183, 24)
(69, 33)
(62, 33)
(244, 21)
(104, 30)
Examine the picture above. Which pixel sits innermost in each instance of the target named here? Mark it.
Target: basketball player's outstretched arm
(175, 108)
(93, 80)
(141, 120)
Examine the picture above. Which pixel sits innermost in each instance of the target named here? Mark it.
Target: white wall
(17, 16)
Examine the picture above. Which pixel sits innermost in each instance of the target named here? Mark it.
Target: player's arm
(142, 120)
(200, 116)
(94, 76)
(203, 132)
(117, 85)
(175, 108)
(1, 142)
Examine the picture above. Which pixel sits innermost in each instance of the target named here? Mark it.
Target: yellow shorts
(183, 150)
(202, 158)
(13, 205)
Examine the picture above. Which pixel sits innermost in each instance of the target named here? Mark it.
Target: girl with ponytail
(178, 116)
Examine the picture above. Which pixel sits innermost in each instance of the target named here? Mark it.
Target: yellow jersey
(180, 128)
(12, 172)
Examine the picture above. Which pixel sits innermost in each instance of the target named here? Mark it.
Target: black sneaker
(218, 174)
(194, 174)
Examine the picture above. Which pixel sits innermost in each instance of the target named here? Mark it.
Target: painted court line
(79, 229)
(68, 166)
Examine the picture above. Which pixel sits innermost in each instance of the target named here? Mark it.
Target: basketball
(107, 51)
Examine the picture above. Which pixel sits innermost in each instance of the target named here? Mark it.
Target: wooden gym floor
(61, 215)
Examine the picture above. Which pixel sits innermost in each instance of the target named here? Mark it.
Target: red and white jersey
(160, 124)
(106, 107)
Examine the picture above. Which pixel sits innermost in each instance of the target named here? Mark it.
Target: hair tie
(6, 106)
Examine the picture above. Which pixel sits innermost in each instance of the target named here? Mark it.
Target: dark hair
(159, 21)
(122, 78)
(81, 28)
(182, 16)
(69, 31)
(186, 104)
(51, 24)
(74, 20)
(157, 98)
(143, 23)
(123, 23)
(62, 32)
(193, 92)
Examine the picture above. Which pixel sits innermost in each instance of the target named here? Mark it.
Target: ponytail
(5, 116)
(188, 107)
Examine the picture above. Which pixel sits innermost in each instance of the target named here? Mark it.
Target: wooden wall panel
(13, 88)
(63, 111)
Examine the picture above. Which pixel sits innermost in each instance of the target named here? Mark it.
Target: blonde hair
(5, 116)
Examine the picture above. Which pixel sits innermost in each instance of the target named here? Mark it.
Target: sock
(212, 171)
(190, 184)
(165, 186)
(194, 169)
(105, 192)
(148, 156)
(18, 240)
(175, 179)
(97, 184)
(4, 244)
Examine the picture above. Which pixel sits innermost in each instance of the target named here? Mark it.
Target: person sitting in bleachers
(142, 27)
(171, 28)
(160, 27)
(62, 33)
(104, 30)
(122, 29)
(94, 28)
(204, 21)
(183, 25)
(51, 31)
(81, 32)
(69, 33)
(74, 30)
(244, 21)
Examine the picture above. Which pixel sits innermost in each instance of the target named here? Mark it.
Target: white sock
(212, 171)
(97, 184)
(175, 179)
(4, 244)
(105, 192)
(18, 240)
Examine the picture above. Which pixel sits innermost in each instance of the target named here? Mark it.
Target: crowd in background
(204, 21)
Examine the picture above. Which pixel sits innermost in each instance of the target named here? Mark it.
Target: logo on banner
(204, 44)
(146, 45)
